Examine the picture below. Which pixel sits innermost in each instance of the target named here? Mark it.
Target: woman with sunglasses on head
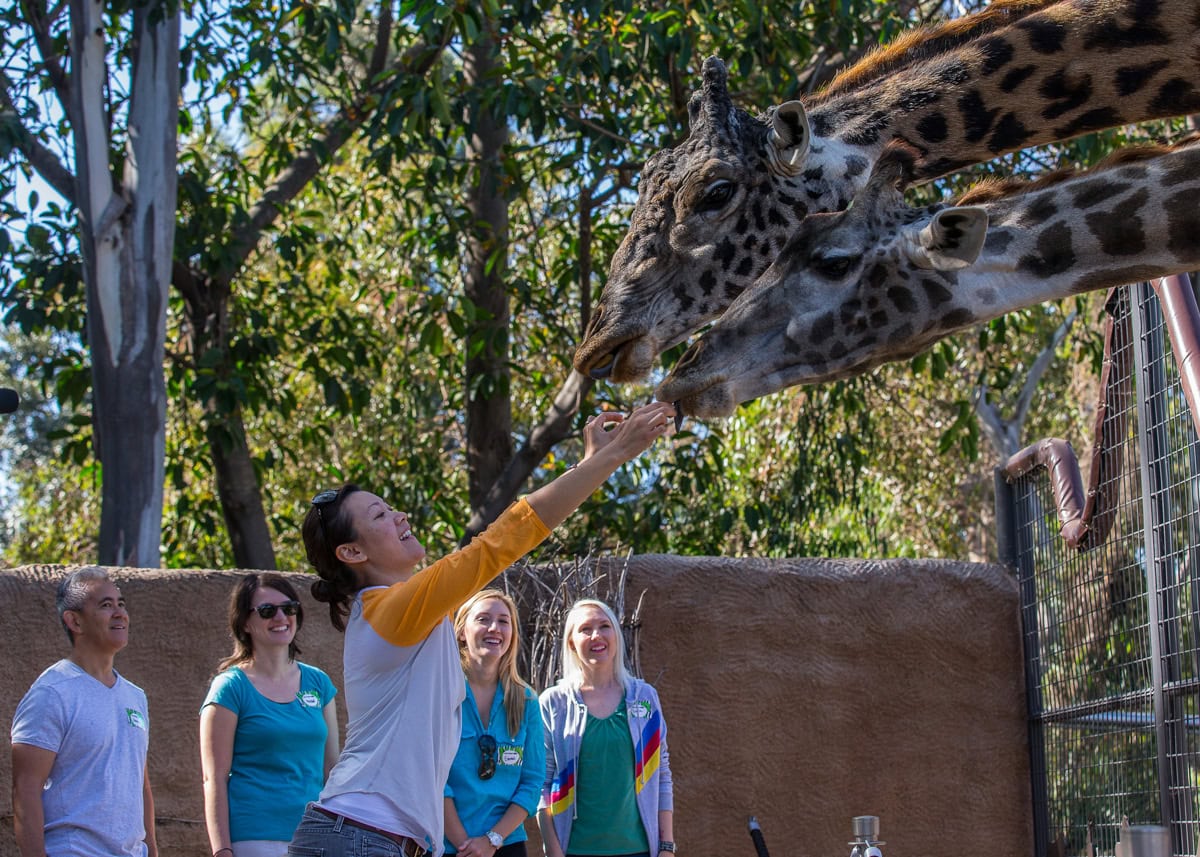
(402, 680)
(496, 778)
(608, 787)
(268, 727)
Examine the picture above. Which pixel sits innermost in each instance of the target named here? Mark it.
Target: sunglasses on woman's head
(323, 498)
(487, 765)
(268, 611)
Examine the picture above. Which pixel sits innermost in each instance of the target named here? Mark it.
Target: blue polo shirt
(520, 767)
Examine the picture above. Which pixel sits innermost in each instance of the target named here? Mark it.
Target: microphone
(8, 400)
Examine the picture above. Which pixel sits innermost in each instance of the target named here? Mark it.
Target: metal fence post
(1020, 563)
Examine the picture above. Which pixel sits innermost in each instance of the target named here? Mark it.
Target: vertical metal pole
(1008, 522)
(1152, 447)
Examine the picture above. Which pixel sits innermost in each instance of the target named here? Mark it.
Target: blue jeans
(321, 836)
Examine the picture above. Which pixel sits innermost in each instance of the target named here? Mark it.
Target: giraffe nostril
(688, 357)
(594, 321)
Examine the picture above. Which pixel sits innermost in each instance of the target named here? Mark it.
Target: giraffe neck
(1072, 67)
(1132, 222)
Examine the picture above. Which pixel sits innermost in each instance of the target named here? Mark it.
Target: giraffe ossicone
(881, 281)
(714, 212)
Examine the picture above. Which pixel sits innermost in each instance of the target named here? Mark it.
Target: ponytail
(325, 527)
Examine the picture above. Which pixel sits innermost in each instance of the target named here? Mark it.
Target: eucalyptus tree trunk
(489, 402)
(126, 236)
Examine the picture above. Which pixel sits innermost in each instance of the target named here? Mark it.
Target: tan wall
(800, 691)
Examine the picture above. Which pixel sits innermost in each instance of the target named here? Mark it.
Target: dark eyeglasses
(268, 611)
(487, 765)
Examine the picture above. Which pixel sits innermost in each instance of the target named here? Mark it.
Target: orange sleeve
(405, 613)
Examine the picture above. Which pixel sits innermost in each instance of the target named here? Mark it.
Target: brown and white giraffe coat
(882, 281)
(714, 212)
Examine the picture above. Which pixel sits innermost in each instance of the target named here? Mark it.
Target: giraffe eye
(715, 196)
(834, 267)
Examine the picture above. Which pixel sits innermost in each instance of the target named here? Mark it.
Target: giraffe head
(709, 219)
(851, 290)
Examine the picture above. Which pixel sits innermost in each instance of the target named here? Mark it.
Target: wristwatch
(495, 838)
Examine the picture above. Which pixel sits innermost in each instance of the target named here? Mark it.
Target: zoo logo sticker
(309, 698)
(136, 718)
(641, 709)
(510, 755)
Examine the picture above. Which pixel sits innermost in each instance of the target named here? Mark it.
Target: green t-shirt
(607, 820)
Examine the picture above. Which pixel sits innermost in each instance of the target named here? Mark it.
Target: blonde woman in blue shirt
(496, 777)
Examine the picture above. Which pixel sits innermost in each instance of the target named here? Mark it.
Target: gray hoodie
(564, 717)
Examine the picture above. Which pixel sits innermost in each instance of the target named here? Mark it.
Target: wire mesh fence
(1112, 630)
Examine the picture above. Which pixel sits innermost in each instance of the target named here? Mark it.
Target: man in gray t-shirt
(79, 739)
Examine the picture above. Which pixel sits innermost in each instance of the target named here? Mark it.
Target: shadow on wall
(801, 691)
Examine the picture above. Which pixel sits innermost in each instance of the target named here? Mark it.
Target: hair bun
(321, 590)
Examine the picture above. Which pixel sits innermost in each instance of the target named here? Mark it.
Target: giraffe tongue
(678, 417)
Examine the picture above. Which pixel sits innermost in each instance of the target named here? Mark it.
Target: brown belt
(408, 846)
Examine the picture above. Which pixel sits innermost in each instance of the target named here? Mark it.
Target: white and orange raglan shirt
(404, 684)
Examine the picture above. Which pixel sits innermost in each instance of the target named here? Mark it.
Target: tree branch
(1039, 367)
(40, 25)
(554, 427)
(46, 163)
(304, 167)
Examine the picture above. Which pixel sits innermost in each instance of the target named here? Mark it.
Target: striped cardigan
(564, 717)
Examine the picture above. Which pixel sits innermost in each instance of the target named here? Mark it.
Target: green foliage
(338, 346)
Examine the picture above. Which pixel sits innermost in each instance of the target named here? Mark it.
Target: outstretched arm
(606, 449)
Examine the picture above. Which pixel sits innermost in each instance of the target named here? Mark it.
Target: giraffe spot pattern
(1045, 37)
(1066, 95)
(1091, 120)
(977, 119)
(856, 165)
(1054, 254)
(901, 333)
(953, 73)
(1040, 211)
(957, 318)
(915, 99)
(987, 296)
(1016, 77)
(1092, 193)
(997, 53)
(725, 253)
(936, 293)
(902, 299)
(1144, 32)
(876, 276)
(997, 240)
(708, 282)
(1131, 79)
(1183, 215)
(1120, 235)
(822, 327)
(933, 128)
(1178, 95)
(1010, 134)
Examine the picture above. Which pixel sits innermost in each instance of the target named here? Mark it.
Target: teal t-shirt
(607, 820)
(278, 752)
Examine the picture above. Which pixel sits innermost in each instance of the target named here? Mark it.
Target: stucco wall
(801, 691)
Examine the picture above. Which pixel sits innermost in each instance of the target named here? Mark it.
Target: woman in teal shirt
(268, 727)
(496, 777)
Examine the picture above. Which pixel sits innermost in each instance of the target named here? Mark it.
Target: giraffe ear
(953, 239)
(788, 139)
